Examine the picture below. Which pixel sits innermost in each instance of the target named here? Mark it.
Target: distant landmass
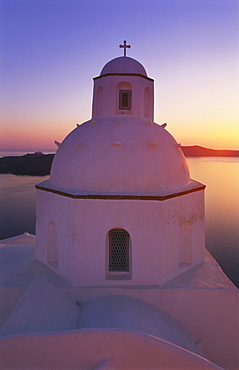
(199, 151)
(39, 164)
(36, 164)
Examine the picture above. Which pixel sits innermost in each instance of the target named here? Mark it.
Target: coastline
(39, 164)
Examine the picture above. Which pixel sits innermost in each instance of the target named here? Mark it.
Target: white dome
(123, 65)
(129, 157)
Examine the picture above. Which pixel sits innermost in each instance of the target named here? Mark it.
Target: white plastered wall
(109, 97)
(154, 228)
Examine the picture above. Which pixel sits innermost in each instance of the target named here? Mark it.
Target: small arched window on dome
(147, 102)
(99, 101)
(118, 256)
(124, 97)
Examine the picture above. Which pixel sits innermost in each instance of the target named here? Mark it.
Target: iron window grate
(118, 250)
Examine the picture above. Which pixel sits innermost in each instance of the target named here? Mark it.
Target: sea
(219, 174)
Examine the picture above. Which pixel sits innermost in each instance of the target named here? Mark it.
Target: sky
(52, 49)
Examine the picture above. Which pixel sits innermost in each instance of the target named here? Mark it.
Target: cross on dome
(125, 47)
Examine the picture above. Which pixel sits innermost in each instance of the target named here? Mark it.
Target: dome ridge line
(123, 74)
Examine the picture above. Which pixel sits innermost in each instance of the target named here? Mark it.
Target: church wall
(176, 212)
(59, 210)
(110, 97)
(139, 218)
(83, 226)
(96, 112)
(154, 227)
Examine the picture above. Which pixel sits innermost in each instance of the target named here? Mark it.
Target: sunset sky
(51, 50)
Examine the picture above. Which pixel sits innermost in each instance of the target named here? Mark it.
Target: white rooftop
(123, 65)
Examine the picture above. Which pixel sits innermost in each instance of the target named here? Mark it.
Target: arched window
(124, 97)
(147, 103)
(99, 101)
(185, 245)
(118, 250)
(52, 245)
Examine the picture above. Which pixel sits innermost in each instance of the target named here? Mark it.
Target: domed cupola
(120, 150)
(123, 65)
(123, 87)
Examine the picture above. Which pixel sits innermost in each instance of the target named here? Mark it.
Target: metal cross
(125, 47)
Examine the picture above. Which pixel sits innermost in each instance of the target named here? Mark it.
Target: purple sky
(51, 50)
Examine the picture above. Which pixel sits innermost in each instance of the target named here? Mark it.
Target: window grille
(124, 99)
(118, 250)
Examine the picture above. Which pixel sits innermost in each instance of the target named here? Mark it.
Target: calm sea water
(220, 175)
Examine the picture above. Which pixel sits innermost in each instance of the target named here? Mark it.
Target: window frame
(112, 274)
(129, 98)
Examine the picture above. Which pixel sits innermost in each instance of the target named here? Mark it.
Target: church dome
(123, 65)
(110, 156)
(120, 150)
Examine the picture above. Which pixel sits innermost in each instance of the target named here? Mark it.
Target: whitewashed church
(120, 277)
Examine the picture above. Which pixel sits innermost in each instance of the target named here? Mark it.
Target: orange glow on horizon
(43, 136)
